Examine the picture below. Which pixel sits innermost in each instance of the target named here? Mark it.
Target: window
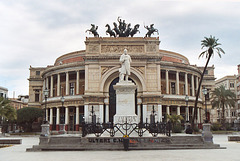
(72, 88)
(36, 97)
(173, 90)
(231, 85)
(206, 72)
(37, 72)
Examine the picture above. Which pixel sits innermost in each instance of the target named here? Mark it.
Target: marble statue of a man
(125, 61)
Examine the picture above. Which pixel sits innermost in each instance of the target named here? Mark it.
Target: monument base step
(77, 143)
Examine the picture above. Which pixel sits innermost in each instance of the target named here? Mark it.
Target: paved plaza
(18, 153)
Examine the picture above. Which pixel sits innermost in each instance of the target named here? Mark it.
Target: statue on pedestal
(125, 61)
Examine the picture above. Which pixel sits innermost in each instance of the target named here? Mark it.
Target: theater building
(85, 79)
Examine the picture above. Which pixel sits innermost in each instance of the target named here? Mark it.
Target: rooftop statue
(151, 30)
(93, 30)
(122, 29)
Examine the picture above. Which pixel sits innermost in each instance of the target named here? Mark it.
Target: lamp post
(45, 126)
(187, 113)
(45, 92)
(205, 95)
(62, 127)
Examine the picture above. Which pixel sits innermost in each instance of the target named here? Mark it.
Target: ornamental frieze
(120, 48)
(93, 48)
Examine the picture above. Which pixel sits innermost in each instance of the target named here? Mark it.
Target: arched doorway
(112, 99)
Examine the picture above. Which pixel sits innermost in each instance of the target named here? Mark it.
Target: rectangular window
(36, 97)
(231, 85)
(72, 85)
(37, 72)
(173, 90)
(206, 72)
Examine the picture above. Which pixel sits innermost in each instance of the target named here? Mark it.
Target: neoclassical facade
(85, 79)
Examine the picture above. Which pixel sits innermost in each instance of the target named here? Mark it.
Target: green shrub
(215, 127)
(196, 129)
(177, 128)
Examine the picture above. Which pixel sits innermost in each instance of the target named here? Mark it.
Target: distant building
(209, 84)
(230, 83)
(238, 93)
(20, 102)
(3, 92)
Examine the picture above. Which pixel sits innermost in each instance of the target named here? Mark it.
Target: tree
(6, 110)
(222, 98)
(211, 44)
(26, 116)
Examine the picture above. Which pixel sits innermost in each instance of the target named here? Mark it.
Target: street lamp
(205, 94)
(45, 92)
(186, 99)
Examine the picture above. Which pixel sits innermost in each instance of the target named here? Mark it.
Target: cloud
(38, 32)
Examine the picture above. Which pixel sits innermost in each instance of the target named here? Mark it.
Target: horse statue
(111, 33)
(93, 30)
(134, 30)
(116, 28)
(128, 30)
(151, 30)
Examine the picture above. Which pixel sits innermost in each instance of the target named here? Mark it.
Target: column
(86, 77)
(145, 114)
(178, 110)
(167, 83)
(193, 114)
(51, 118)
(86, 113)
(159, 77)
(77, 83)
(177, 81)
(51, 88)
(58, 85)
(101, 113)
(77, 118)
(66, 118)
(196, 84)
(107, 113)
(193, 88)
(67, 83)
(47, 81)
(187, 113)
(168, 110)
(186, 84)
(44, 87)
(58, 119)
(198, 116)
(159, 113)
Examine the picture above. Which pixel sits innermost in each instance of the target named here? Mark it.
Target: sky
(37, 32)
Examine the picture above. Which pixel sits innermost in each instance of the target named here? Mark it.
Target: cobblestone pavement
(18, 153)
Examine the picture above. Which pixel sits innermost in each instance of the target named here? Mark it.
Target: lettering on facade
(128, 119)
(120, 48)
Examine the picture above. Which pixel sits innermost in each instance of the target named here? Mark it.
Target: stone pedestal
(207, 134)
(125, 102)
(45, 130)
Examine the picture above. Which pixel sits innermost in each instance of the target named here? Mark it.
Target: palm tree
(211, 44)
(222, 98)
